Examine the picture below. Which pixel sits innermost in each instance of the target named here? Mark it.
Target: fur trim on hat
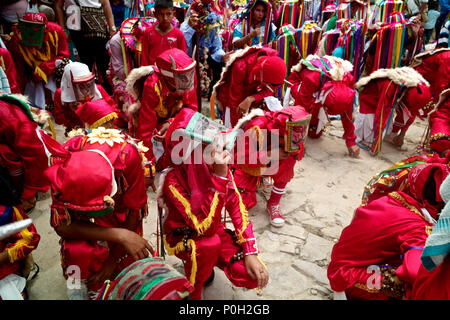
(336, 73)
(418, 59)
(406, 76)
(135, 75)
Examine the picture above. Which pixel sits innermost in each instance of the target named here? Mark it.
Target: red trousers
(248, 183)
(216, 250)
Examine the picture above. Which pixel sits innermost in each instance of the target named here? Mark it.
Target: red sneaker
(276, 217)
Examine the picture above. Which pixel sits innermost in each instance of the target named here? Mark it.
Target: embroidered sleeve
(242, 224)
(211, 208)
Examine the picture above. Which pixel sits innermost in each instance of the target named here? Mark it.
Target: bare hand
(256, 270)
(162, 132)
(245, 105)
(136, 246)
(221, 158)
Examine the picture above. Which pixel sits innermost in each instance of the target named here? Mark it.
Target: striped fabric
(443, 35)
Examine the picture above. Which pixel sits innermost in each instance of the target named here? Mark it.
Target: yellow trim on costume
(206, 223)
(179, 247)
(161, 111)
(34, 57)
(26, 236)
(244, 214)
(103, 120)
(411, 208)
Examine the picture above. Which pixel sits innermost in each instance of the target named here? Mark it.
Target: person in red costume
(378, 255)
(159, 92)
(433, 278)
(269, 155)
(101, 177)
(250, 75)
(434, 66)
(162, 36)
(35, 45)
(400, 91)
(22, 149)
(439, 124)
(9, 67)
(324, 86)
(14, 251)
(97, 113)
(77, 86)
(193, 196)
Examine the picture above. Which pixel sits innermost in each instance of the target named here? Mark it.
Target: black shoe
(210, 279)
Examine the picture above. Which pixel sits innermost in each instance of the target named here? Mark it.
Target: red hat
(174, 61)
(35, 17)
(95, 113)
(273, 69)
(419, 100)
(340, 97)
(419, 175)
(84, 182)
(292, 122)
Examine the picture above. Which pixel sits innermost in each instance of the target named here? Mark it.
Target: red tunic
(19, 245)
(158, 104)
(68, 118)
(212, 245)
(386, 231)
(130, 200)
(238, 83)
(434, 285)
(251, 160)
(435, 68)
(39, 63)
(20, 134)
(305, 84)
(153, 44)
(7, 63)
(440, 126)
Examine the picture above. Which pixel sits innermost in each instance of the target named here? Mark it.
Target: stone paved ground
(319, 203)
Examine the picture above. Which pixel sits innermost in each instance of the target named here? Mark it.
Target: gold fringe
(406, 204)
(26, 236)
(206, 223)
(161, 111)
(244, 214)
(103, 120)
(179, 247)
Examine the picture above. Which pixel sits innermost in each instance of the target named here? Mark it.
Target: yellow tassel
(179, 247)
(41, 74)
(244, 213)
(160, 110)
(26, 237)
(206, 223)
